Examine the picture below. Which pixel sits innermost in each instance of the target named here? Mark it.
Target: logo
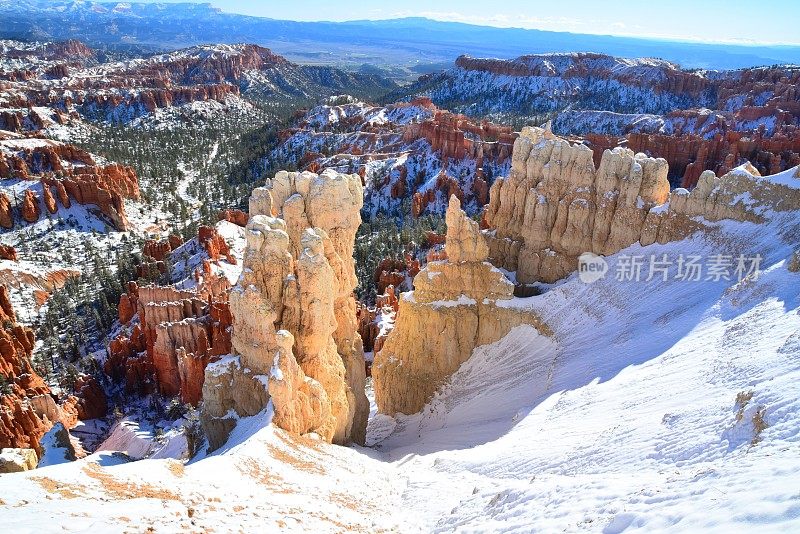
(591, 267)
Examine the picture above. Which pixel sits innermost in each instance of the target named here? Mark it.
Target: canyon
(333, 314)
(65, 174)
(403, 152)
(73, 83)
(697, 120)
(170, 334)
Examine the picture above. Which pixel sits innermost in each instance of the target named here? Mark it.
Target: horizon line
(745, 43)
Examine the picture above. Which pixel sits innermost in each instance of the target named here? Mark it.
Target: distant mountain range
(405, 47)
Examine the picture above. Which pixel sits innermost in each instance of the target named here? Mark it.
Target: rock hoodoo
(555, 205)
(66, 174)
(295, 338)
(452, 310)
(14, 460)
(177, 334)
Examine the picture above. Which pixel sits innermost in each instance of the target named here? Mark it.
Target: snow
(462, 300)
(129, 437)
(627, 416)
(50, 249)
(788, 178)
(54, 452)
(189, 257)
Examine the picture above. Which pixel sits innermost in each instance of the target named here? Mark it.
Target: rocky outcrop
(670, 77)
(697, 120)
(6, 215)
(178, 333)
(214, 244)
(452, 310)
(419, 144)
(90, 398)
(172, 334)
(27, 407)
(126, 308)
(66, 173)
(204, 65)
(237, 217)
(29, 208)
(69, 49)
(555, 205)
(14, 460)
(688, 155)
(375, 322)
(128, 363)
(794, 262)
(394, 272)
(294, 322)
(7, 252)
(157, 249)
(132, 89)
(457, 136)
(49, 199)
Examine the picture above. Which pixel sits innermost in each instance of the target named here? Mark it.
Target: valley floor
(659, 405)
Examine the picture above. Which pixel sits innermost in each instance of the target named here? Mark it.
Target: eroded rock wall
(28, 409)
(555, 205)
(67, 174)
(177, 334)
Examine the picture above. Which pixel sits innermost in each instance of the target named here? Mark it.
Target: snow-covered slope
(269, 483)
(661, 405)
(641, 412)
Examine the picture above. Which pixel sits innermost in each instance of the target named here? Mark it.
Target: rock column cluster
(555, 205)
(295, 338)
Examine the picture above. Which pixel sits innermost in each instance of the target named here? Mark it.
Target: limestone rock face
(66, 173)
(49, 199)
(555, 204)
(741, 195)
(6, 215)
(17, 460)
(214, 244)
(294, 317)
(301, 403)
(229, 388)
(178, 333)
(464, 240)
(237, 217)
(452, 310)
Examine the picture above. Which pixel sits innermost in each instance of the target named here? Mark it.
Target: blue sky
(741, 21)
